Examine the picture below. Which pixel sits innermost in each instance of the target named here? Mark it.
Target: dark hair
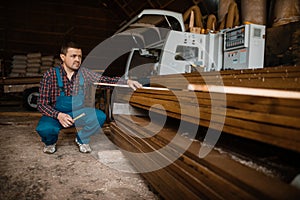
(68, 44)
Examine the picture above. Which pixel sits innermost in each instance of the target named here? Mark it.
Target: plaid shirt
(49, 89)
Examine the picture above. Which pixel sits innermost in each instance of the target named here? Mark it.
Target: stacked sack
(57, 62)
(19, 65)
(33, 64)
(47, 63)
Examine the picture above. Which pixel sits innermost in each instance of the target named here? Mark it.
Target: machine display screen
(186, 53)
(257, 32)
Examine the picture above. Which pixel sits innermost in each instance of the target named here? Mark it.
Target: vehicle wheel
(30, 98)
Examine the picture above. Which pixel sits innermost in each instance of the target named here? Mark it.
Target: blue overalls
(48, 128)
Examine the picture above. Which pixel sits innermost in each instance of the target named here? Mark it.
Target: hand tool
(127, 86)
(79, 116)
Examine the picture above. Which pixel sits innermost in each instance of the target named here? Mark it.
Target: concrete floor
(28, 173)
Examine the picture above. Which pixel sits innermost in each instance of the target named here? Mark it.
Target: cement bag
(286, 11)
(231, 18)
(254, 11)
(223, 9)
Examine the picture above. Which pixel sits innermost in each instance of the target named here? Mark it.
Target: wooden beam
(276, 124)
(245, 91)
(127, 86)
(281, 77)
(189, 175)
(20, 114)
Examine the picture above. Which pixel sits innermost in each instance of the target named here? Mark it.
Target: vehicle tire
(30, 97)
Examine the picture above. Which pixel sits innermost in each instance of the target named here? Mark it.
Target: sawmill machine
(175, 51)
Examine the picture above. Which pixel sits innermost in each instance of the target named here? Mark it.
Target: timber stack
(252, 139)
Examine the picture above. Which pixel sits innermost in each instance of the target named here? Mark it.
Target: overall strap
(81, 79)
(61, 85)
(59, 82)
(81, 83)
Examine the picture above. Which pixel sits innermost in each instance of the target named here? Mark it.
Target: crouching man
(62, 99)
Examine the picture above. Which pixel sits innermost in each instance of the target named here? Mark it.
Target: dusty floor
(28, 173)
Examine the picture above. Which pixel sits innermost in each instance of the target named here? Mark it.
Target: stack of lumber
(281, 77)
(216, 176)
(268, 121)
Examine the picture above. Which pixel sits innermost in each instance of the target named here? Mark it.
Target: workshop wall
(41, 26)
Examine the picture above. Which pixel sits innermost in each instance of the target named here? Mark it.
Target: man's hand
(65, 120)
(134, 84)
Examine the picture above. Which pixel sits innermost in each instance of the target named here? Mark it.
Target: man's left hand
(134, 84)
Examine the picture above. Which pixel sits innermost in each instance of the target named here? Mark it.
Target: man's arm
(113, 80)
(134, 84)
(45, 105)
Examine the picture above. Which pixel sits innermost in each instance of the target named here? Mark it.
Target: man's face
(72, 59)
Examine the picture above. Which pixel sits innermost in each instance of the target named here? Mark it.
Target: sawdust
(27, 173)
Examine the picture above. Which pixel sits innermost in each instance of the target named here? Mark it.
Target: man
(62, 99)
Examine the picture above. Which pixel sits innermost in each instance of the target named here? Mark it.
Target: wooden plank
(199, 183)
(283, 137)
(271, 118)
(245, 91)
(20, 114)
(245, 179)
(127, 86)
(236, 129)
(246, 123)
(275, 83)
(164, 137)
(159, 179)
(267, 71)
(214, 96)
(264, 105)
(190, 110)
(19, 80)
(285, 78)
(174, 182)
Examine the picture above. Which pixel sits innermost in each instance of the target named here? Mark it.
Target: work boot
(49, 149)
(83, 148)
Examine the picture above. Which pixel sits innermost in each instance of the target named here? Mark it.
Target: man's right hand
(134, 84)
(65, 120)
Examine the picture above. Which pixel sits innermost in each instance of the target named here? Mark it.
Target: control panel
(244, 47)
(185, 52)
